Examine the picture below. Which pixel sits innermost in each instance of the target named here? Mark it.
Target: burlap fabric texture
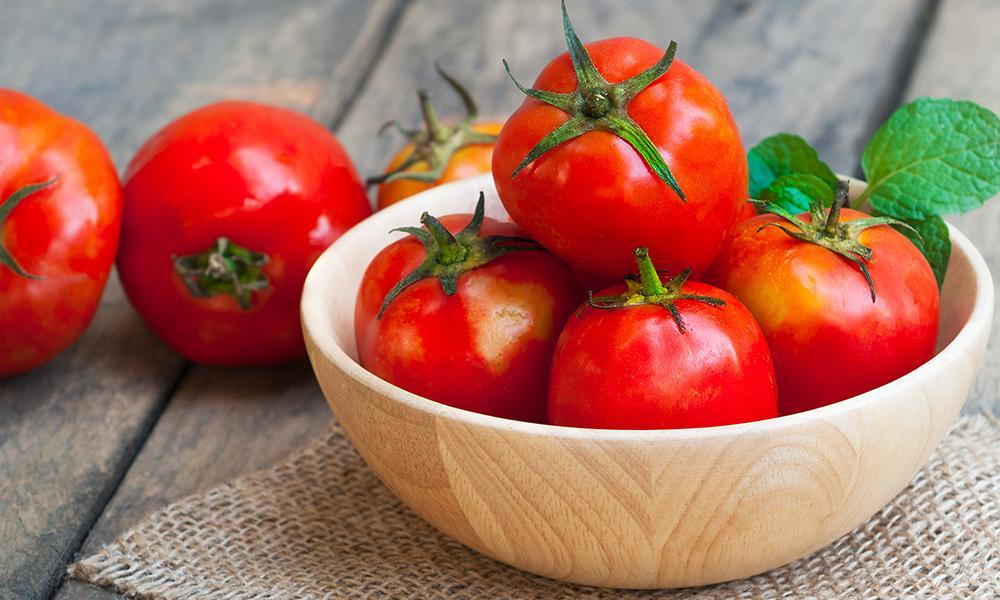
(321, 525)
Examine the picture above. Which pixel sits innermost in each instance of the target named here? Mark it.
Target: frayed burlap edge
(320, 525)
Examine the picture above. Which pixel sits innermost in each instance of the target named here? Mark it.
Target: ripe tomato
(225, 211)
(832, 334)
(595, 160)
(468, 161)
(60, 213)
(437, 153)
(468, 319)
(654, 356)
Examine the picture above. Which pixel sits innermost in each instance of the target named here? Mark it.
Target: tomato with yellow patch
(485, 348)
(831, 335)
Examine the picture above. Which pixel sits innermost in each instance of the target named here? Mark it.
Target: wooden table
(119, 426)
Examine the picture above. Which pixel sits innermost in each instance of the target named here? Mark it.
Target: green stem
(649, 278)
(451, 251)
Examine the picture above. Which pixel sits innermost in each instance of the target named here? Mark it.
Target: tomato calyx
(448, 256)
(435, 143)
(826, 230)
(597, 105)
(8, 206)
(225, 268)
(648, 288)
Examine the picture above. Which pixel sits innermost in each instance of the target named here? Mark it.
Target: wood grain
(631, 508)
(69, 431)
(959, 61)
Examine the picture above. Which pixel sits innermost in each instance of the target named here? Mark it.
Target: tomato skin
(468, 162)
(828, 339)
(592, 200)
(267, 178)
(488, 347)
(66, 234)
(632, 368)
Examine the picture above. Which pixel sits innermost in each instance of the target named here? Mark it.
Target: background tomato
(593, 198)
(57, 244)
(628, 361)
(829, 339)
(225, 211)
(487, 347)
(438, 153)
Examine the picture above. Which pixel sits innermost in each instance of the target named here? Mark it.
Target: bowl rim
(316, 327)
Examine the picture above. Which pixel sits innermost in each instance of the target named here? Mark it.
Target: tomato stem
(648, 288)
(436, 143)
(597, 104)
(650, 279)
(450, 255)
(6, 258)
(226, 268)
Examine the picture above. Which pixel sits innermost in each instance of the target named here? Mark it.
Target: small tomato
(655, 356)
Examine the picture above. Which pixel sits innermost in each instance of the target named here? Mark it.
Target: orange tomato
(469, 161)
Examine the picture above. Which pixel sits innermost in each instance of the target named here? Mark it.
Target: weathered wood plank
(784, 65)
(959, 61)
(68, 431)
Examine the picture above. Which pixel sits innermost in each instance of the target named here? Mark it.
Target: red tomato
(60, 213)
(831, 335)
(592, 198)
(225, 211)
(485, 347)
(654, 356)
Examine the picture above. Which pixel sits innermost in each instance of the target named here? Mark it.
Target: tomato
(60, 214)
(468, 161)
(654, 356)
(438, 153)
(471, 315)
(226, 209)
(595, 160)
(832, 335)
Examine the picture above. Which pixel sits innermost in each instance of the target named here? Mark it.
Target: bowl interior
(331, 287)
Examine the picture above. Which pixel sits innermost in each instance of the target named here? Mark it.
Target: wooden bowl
(637, 509)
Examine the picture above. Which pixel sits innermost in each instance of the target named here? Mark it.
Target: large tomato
(654, 356)
(595, 160)
(225, 211)
(833, 334)
(465, 313)
(60, 213)
(437, 153)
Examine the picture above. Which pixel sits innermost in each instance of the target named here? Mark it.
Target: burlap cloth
(321, 525)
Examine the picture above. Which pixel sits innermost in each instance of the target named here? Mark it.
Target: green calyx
(8, 206)
(647, 288)
(435, 143)
(225, 268)
(449, 255)
(826, 230)
(597, 105)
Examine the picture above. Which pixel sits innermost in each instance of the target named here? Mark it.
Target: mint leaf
(934, 241)
(933, 156)
(795, 192)
(784, 154)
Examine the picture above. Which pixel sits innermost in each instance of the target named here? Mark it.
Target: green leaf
(785, 154)
(795, 192)
(933, 240)
(933, 156)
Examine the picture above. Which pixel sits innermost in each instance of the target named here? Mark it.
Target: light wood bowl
(637, 509)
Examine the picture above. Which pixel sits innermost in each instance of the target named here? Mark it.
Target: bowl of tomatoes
(629, 508)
